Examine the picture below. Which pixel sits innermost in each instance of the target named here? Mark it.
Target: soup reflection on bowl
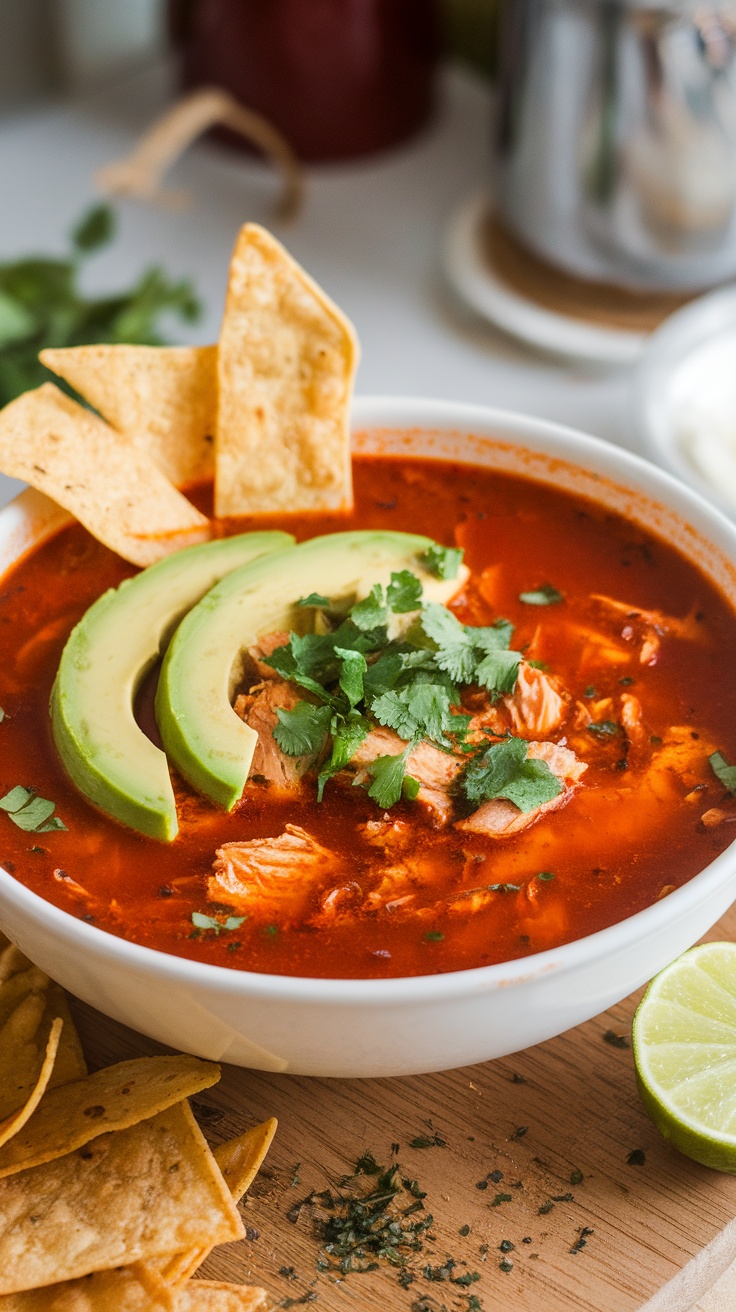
(493, 902)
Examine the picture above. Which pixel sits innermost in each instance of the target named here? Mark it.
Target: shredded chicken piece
(272, 876)
(436, 771)
(265, 646)
(651, 626)
(387, 833)
(679, 764)
(500, 818)
(632, 720)
(536, 706)
(258, 710)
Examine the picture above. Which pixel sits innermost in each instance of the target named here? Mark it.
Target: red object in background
(338, 77)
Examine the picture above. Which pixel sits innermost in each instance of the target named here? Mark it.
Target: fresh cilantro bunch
(41, 306)
(356, 676)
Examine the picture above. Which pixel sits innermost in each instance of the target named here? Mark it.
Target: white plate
(473, 279)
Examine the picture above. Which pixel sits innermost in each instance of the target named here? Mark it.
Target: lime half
(685, 1053)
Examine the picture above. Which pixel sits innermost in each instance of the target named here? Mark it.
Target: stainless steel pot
(617, 138)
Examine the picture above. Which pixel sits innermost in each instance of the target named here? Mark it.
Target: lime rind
(684, 1041)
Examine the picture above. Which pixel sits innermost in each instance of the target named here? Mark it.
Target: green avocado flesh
(205, 740)
(116, 642)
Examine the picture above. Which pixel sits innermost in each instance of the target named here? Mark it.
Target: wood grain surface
(659, 1223)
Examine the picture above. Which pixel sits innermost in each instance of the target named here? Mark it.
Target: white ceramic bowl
(402, 1026)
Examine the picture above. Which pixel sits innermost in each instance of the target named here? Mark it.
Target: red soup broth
(616, 847)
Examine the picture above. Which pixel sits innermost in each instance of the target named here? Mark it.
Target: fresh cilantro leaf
(404, 592)
(495, 637)
(308, 661)
(382, 675)
(499, 670)
(210, 922)
(455, 652)
(315, 599)
(347, 738)
(410, 788)
(544, 596)
(505, 770)
(725, 773)
(444, 562)
(354, 666)
(301, 731)
(94, 230)
(538, 665)
(420, 710)
(371, 612)
(387, 774)
(30, 812)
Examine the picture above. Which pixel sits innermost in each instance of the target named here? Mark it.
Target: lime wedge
(684, 1039)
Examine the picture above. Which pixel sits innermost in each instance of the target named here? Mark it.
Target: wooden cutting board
(658, 1229)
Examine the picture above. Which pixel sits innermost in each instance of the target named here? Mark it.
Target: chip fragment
(239, 1160)
(129, 1195)
(213, 1296)
(114, 489)
(163, 399)
(286, 364)
(111, 1099)
(12, 1125)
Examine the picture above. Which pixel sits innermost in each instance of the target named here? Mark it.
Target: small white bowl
(330, 1027)
(688, 368)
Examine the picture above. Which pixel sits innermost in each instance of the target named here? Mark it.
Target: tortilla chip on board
(29, 1004)
(239, 1160)
(111, 1099)
(12, 1125)
(92, 1209)
(163, 399)
(287, 358)
(115, 490)
(122, 1291)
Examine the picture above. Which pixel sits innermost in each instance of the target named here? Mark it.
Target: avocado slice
(205, 740)
(116, 642)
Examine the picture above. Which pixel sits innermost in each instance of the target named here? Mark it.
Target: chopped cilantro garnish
(347, 738)
(404, 592)
(418, 710)
(545, 874)
(30, 812)
(210, 922)
(544, 596)
(603, 728)
(472, 655)
(371, 612)
(434, 936)
(445, 562)
(590, 691)
(387, 774)
(499, 670)
(505, 770)
(725, 773)
(301, 732)
(315, 601)
(353, 668)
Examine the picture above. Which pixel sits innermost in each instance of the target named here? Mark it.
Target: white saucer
(472, 277)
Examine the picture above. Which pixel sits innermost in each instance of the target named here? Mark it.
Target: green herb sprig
(30, 812)
(41, 306)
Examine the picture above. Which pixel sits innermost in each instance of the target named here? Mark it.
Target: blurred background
(508, 197)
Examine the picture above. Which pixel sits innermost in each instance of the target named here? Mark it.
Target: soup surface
(627, 665)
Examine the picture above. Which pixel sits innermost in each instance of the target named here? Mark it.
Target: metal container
(617, 138)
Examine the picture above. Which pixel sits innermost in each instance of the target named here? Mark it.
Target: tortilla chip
(110, 1099)
(104, 1291)
(163, 399)
(114, 489)
(286, 364)
(12, 1125)
(70, 1063)
(212, 1296)
(121, 1291)
(239, 1160)
(125, 1197)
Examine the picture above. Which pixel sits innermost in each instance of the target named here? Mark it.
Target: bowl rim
(569, 443)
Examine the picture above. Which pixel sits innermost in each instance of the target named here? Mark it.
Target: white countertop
(370, 233)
